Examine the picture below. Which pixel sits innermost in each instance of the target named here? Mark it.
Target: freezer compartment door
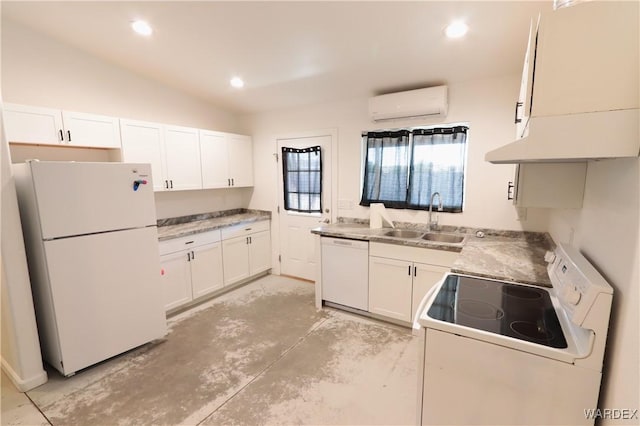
(83, 198)
(106, 293)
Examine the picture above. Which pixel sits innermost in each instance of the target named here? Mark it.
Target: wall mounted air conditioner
(431, 102)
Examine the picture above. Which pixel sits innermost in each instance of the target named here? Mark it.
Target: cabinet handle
(188, 257)
(166, 184)
(189, 242)
(517, 119)
(249, 240)
(193, 255)
(409, 270)
(228, 182)
(233, 183)
(510, 187)
(171, 182)
(69, 135)
(61, 136)
(415, 271)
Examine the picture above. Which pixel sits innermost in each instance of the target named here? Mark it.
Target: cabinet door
(206, 269)
(213, 160)
(390, 287)
(550, 185)
(182, 155)
(259, 252)
(143, 143)
(240, 160)
(425, 277)
(26, 124)
(176, 279)
(91, 130)
(523, 109)
(235, 258)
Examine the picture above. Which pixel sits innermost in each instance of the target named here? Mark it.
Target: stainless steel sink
(403, 233)
(443, 238)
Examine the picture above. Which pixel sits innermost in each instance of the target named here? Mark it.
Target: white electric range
(497, 352)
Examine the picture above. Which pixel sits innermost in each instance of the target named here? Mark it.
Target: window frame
(406, 205)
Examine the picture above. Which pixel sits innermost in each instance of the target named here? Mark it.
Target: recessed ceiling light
(142, 28)
(237, 82)
(456, 29)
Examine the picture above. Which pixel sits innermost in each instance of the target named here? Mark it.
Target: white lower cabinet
(246, 251)
(176, 279)
(400, 276)
(390, 287)
(191, 267)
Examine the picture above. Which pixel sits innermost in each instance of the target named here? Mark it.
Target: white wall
(486, 105)
(37, 70)
(21, 359)
(607, 232)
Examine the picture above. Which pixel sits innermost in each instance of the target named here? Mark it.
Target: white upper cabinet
(213, 159)
(523, 106)
(91, 130)
(240, 160)
(25, 124)
(182, 156)
(48, 126)
(227, 159)
(143, 142)
(587, 59)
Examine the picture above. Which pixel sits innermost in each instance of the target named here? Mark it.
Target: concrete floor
(261, 354)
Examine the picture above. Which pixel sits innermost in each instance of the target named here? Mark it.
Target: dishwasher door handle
(342, 243)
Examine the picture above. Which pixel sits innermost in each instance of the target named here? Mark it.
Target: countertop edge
(213, 226)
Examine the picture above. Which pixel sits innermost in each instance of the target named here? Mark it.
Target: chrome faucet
(434, 223)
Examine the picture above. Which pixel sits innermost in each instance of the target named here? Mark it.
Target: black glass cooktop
(517, 311)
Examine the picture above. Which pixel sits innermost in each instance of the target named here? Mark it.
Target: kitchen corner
(504, 255)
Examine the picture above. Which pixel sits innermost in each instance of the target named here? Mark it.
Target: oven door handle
(416, 324)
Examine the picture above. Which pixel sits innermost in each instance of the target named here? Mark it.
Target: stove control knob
(572, 295)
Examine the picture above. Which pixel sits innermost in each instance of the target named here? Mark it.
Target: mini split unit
(429, 102)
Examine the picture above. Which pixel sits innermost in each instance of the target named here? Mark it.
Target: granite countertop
(194, 224)
(504, 255)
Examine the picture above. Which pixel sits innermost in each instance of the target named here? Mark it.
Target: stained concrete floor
(261, 354)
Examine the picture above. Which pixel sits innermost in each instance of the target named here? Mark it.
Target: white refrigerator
(92, 249)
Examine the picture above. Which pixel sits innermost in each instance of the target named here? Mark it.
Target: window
(302, 174)
(403, 168)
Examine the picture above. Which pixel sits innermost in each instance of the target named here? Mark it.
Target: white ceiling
(292, 53)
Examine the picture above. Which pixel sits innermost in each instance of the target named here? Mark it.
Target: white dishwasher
(345, 272)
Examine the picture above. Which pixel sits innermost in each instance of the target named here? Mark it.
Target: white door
(235, 258)
(206, 269)
(106, 294)
(424, 278)
(182, 151)
(213, 160)
(259, 252)
(26, 124)
(297, 247)
(390, 287)
(144, 143)
(176, 279)
(240, 160)
(93, 130)
(82, 198)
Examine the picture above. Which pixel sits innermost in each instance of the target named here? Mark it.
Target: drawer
(183, 243)
(414, 254)
(244, 229)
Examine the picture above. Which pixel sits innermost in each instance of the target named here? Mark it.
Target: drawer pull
(189, 242)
